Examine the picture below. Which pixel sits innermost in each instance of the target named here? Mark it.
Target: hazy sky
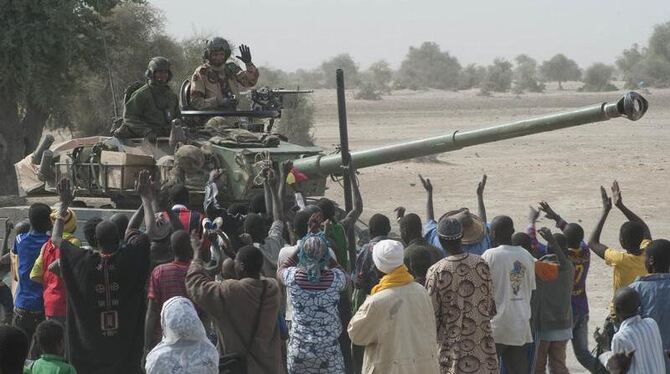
(291, 34)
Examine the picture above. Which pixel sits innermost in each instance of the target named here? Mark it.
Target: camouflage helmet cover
(158, 63)
(217, 44)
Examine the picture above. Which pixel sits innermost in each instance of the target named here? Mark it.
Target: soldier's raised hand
(245, 54)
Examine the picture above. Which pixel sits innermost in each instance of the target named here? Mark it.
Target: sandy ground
(564, 167)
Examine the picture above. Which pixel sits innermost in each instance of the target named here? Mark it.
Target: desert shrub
(344, 62)
(368, 91)
(428, 67)
(297, 120)
(498, 77)
(525, 75)
(597, 78)
(471, 76)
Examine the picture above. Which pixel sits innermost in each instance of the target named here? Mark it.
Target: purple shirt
(581, 259)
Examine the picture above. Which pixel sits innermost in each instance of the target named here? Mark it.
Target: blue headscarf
(313, 255)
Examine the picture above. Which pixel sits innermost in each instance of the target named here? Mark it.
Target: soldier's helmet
(158, 63)
(217, 44)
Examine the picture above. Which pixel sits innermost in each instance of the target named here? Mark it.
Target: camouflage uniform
(152, 107)
(211, 84)
(214, 85)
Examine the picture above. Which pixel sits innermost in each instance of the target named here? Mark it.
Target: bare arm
(480, 199)
(618, 202)
(65, 196)
(151, 319)
(136, 220)
(267, 193)
(146, 187)
(271, 182)
(284, 169)
(430, 211)
(9, 226)
(563, 259)
(594, 241)
(353, 215)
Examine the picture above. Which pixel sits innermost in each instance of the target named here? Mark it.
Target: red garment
(190, 219)
(55, 296)
(167, 281)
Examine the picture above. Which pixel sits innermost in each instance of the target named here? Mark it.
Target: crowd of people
(268, 288)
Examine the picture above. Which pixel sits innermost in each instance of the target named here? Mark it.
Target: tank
(103, 167)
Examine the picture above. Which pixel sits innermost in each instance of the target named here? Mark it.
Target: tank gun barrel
(632, 106)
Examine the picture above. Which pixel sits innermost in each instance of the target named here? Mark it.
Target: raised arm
(618, 202)
(552, 215)
(284, 169)
(480, 199)
(533, 214)
(350, 219)
(146, 187)
(594, 241)
(9, 227)
(430, 210)
(200, 287)
(563, 259)
(271, 184)
(65, 196)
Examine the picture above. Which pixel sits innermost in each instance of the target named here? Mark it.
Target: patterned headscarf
(185, 347)
(313, 255)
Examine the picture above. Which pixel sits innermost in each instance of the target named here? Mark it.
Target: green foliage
(597, 78)
(498, 77)
(471, 76)
(368, 91)
(134, 34)
(344, 62)
(297, 120)
(560, 69)
(649, 66)
(428, 67)
(525, 75)
(379, 76)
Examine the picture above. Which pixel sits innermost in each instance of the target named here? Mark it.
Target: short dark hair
(658, 251)
(89, 231)
(379, 225)
(327, 207)
(14, 346)
(180, 241)
(502, 229)
(410, 227)
(631, 235)
(179, 194)
(300, 223)
(49, 335)
(561, 241)
(254, 225)
(252, 259)
(522, 239)
(107, 236)
(418, 262)
(238, 208)
(38, 215)
(121, 221)
(574, 235)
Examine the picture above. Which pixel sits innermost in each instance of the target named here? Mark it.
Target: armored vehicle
(106, 167)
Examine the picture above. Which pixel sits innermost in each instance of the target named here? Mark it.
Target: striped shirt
(642, 336)
(167, 281)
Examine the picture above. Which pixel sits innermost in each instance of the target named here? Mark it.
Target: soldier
(150, 108)
(216, 83)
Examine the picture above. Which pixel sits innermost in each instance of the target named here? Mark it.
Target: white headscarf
(185, 347)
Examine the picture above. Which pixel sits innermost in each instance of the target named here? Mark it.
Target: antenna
(108, 64)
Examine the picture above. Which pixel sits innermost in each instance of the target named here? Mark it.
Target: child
(49, 335)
